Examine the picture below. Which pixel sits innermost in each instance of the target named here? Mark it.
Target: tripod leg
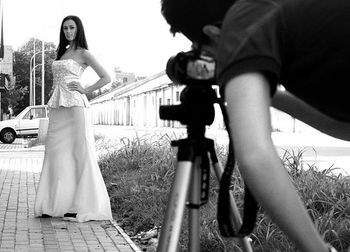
(194, 204)
(235, 212)
(171, 227)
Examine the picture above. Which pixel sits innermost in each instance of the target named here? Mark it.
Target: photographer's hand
(201, 69)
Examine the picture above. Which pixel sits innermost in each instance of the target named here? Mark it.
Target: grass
(139, 172)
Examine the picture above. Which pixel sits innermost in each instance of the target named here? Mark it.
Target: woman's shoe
(71, 215)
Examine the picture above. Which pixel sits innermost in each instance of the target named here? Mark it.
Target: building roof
(150, 83)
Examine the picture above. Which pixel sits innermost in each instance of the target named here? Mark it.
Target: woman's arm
(290, 104)
(248, 102)
(89, 60)
(100, 71)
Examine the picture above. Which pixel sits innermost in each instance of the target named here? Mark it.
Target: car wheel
(7, 136)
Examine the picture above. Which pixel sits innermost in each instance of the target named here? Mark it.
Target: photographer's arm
(248, 103)
(288, 103)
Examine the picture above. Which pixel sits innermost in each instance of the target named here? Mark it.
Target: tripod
(191, 182)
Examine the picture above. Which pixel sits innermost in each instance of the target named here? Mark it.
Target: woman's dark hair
(80, 40)
(190, 16)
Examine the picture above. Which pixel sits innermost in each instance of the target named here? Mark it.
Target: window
(28, 114)
(177, 96)
(35, 113)
(39, 113)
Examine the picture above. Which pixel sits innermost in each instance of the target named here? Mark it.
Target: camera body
(197, 99)
(191, 68)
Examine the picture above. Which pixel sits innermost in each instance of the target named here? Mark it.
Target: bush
(138, 174)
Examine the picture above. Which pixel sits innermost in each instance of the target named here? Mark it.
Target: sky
(129, 34)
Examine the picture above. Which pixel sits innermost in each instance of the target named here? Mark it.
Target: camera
(191, 68)
(198, 73)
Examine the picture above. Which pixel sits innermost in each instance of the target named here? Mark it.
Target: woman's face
(70, 29)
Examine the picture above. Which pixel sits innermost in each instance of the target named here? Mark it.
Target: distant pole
(42, 74)
(2, 45)
(0, 92)
(2, 49)
(33, 92)
(30, 83)
(0, 107)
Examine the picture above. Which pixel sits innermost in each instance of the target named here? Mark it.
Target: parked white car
(25, 124)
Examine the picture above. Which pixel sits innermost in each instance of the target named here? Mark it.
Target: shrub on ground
(138, 174)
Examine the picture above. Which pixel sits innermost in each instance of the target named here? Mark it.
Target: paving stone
(21, 231)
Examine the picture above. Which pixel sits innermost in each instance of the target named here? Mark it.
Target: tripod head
(196, 109)
(197, 99)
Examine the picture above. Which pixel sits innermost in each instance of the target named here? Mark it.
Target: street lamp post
(42, 73)
(30, 82)
(33, 70)
(32, 76)
(33, 89)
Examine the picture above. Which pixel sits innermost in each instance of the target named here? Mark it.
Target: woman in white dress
(71, 184)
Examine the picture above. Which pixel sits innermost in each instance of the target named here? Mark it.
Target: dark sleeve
(251, 41)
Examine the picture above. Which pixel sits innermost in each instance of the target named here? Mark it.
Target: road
(317, 148)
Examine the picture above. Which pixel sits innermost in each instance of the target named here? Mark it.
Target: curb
(126, 237)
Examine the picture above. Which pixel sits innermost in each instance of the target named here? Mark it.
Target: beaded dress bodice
(65, 71)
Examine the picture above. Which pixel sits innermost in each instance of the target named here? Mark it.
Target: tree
(18, 96)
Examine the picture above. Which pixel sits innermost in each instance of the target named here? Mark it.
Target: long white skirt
(70, 180)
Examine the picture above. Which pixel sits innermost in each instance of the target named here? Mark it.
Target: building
(137, 104)
(6, 64)
(123, 77)
(6, 73)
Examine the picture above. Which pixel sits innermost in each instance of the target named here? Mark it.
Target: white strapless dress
(70, 180)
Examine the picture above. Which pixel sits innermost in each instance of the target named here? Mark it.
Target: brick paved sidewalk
(21, 231)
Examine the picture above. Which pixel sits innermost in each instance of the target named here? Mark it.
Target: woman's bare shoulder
(84, 56)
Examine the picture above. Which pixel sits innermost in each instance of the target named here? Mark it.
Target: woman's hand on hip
(76, 86)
